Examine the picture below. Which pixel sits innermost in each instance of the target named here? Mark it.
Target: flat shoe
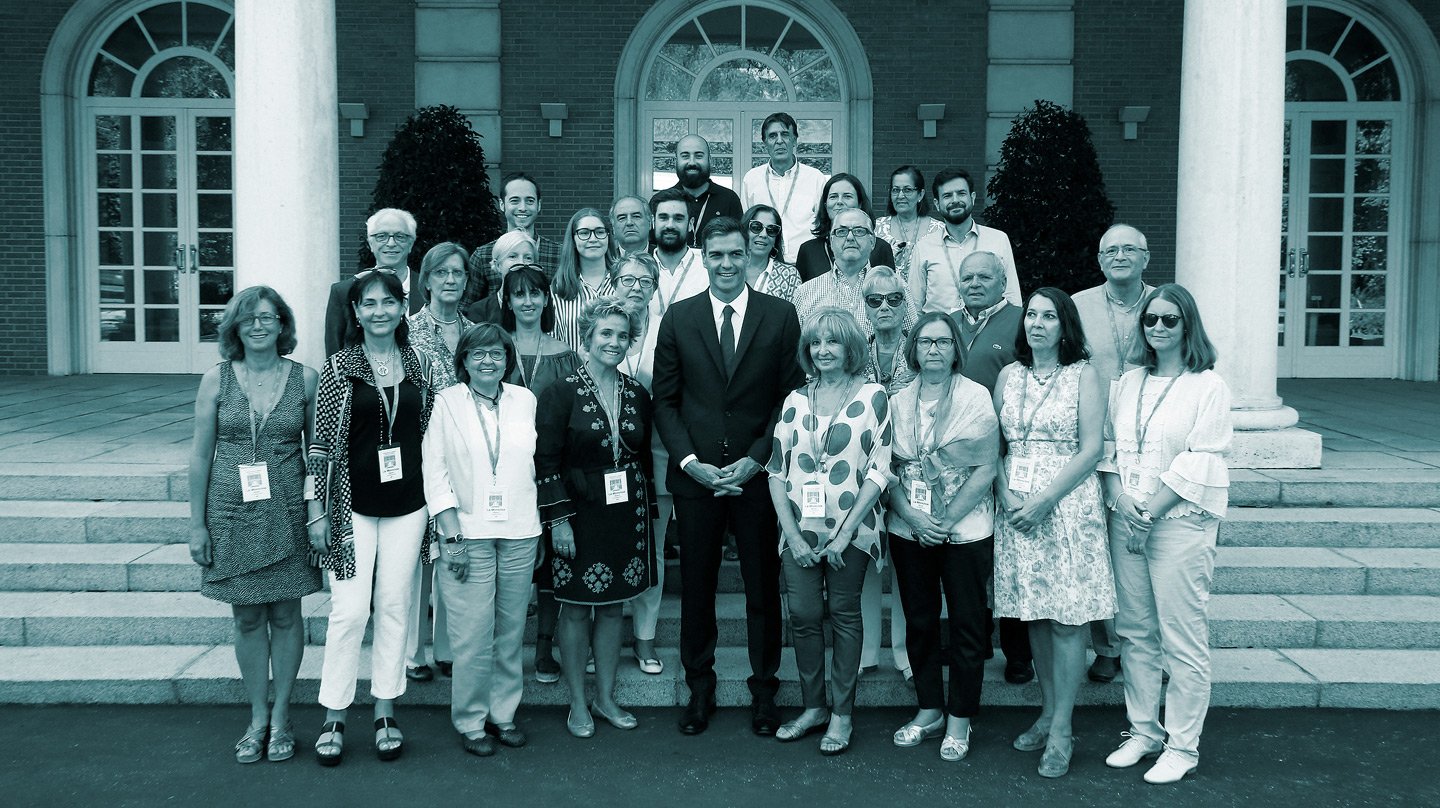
(580, 729)
(650, 665)
(913, 734)
(621, 720)
(281, 745)
(953, 749)
(1033, 739)
(330, 746)
(794, 730)
(1056, 760)
(251, 746)
(387, 732)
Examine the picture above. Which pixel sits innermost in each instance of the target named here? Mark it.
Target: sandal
(795, 730)
(251, 746)
(832, 745)
(281, 745)
(330, 746)
(1033, 739)
(913, 734)
(953, 749)
(388, 740)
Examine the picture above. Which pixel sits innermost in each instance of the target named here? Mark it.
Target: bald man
(705, 200)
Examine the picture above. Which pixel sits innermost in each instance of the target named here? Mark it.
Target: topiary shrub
(1048, 195)
(434, 167)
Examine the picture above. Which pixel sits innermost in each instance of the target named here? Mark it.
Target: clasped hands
(727, 481)
(832, 552)
(1137, 519)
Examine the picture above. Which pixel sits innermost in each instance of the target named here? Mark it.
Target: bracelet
(316, 519)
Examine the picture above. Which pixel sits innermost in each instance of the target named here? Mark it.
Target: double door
(736, 143)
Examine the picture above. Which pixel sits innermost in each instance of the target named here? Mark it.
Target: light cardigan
(1185, 442)
(457, 465)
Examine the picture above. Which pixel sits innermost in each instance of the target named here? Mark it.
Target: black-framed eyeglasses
(399, 238)
(926, 343)
(894, 299)
(589, 233)
(843, 233)
(1170, 320)
(771, 230)
(627, 281)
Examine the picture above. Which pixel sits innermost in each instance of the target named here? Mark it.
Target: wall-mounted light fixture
(356, 114)
(556, 115)
(929, 114)
(1132, 117)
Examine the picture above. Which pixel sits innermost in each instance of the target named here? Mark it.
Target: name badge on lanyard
(812, 500)
(497, 505)
(617, 487)
(390, 466)
(254, 482)
(1022, 474)
(918, 492)
(1139, 481)
(391, 469)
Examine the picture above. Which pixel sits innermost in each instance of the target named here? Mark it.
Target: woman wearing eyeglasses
(514, 248)
(252, 415)
(908, 218)
(841, 192)
(767, 271)
(529, 319)
(593, 462)
(480, 484)
(941, 531)
(586, 271)
(1167, 484)
(368, 518)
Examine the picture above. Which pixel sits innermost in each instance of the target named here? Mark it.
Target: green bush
(434, 167)
(1048, 195)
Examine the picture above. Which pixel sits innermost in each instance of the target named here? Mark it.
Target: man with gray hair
(630, 222)
(1110, 313)
(391, 235)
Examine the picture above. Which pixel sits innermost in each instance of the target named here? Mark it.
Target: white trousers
(487, 628)
(1162, 597)
(872, 596)
(387, 550)
(646, 605)
(422, 630)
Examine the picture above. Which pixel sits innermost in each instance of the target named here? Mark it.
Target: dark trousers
(1014, 639)
(813, 591)
(703, 521)
(962, 570)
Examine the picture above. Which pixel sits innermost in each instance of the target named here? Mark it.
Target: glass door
(1337, 290)
(161, 248)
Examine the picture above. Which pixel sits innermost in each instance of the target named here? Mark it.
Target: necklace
(913, 234)
(1048, 376)
(260, 379)
(494, 400)
(382, 367)
(437, 319)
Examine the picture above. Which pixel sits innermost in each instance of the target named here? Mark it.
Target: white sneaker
(1170, 768)
(1134, 750)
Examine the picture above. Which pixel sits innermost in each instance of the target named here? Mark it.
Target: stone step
(93, 481)
(187, 618)
(1336, 487)
(1238, 570)
(207, 674)
(1331, 527)
(31, 521)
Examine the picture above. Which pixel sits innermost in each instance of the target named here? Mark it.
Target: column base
(1275, 449)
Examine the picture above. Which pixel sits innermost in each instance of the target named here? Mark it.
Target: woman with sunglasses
(841, 192)
(586, 271)
(541, 360)
(767, 271)
(513, 249)
(908, 216)
(1166, 483)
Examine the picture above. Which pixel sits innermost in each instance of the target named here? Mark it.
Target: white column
(287, 163)
(1232, 119)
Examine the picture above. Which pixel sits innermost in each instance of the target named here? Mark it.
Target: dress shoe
(696, 718)
(446, 669)
(764, 717)
(1134, 750)
(1018, 673)
(1104, 669)
(420, 673)
(1170, 768)
(483, 746)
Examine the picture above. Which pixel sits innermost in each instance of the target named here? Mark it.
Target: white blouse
(1186, 432)
(456, 462)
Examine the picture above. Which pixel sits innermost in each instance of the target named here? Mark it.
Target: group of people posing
(534, 414)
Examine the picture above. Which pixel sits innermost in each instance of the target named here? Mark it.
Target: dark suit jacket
(814, 260)
(337, 316)
(697, 410)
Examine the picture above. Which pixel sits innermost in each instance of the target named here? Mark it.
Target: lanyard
(612, 414)
(980, 323)
(1024, 392)
(950, 262)
(526, 376)
(257, 431)
(492, 449)
(388, 409)
(632, 361)
(820, 444)
(880, 369)
(1142, 428)
(942, 415)
(684, 270)
(1122, 352)
(696, 222)
(794, 180)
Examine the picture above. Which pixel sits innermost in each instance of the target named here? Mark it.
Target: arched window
(721, 70)
(170, 50)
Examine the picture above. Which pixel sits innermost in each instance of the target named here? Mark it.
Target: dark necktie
(727, 340)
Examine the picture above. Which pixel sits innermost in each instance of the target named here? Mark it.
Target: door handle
(180, 258)
(194, 259)
(1290, 263)
(1304, 261)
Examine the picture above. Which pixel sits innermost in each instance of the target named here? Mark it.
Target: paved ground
(145, 756)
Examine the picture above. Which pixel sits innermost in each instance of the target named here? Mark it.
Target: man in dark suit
(391, 233)
(724, 362)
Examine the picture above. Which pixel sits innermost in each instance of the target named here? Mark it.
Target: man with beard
(391, 235)
(784, 183)
(681, 272)
(704, 200)
(520, 202)
(630, 222)
(935, 262)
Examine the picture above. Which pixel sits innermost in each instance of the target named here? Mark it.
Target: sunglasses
(894, 299)
(1170, 320)
(771, 230)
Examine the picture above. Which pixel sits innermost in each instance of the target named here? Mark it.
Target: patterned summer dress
(1061, 571)
(260, 548)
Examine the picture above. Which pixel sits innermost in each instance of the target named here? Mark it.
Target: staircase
(1327, 593)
